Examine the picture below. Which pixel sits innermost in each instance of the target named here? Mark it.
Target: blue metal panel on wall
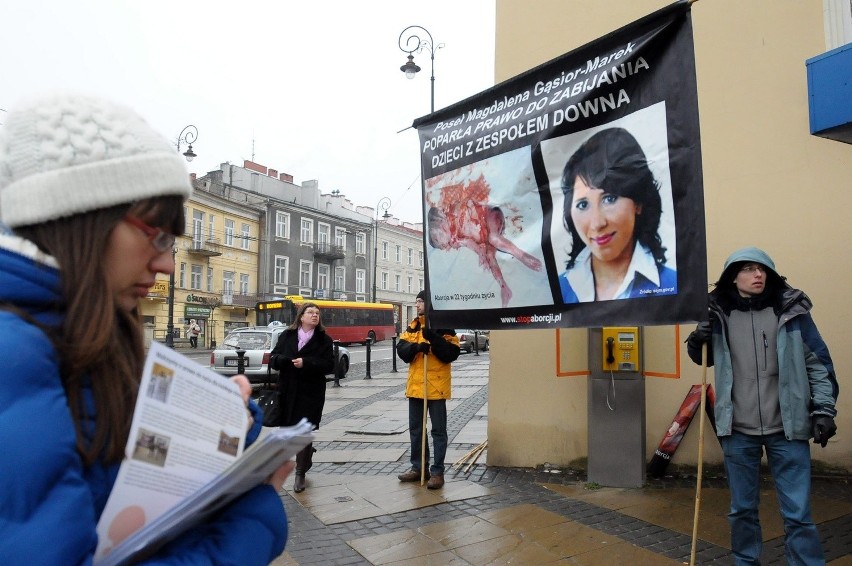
(830, 94)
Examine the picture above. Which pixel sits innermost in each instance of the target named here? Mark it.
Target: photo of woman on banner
(487, 212)
(612, 209)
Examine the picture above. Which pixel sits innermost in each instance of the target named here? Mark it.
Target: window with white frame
(384, 250)
(282, 264)
(305, 273)
(244, 284)
(323, 234)
(396, 283)
(229, 232)
(197, 228)
(245, 229)
(323, 272)
(410, 284)
(282, 224)
(420, 258)
(398, 254)
(306, 236)
(837, 23)
(340, 237)
(360, 281)
(360, 243)
(195, 277)
(410, 256)
(384, 280)
(182, 277)
(209, 279)
(340, 278)
(228, 283)
(421, 283)
(211, 228)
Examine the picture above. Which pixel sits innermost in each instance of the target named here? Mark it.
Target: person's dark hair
(99, 343)
(433, 217)
(612, 160)
(297, 322)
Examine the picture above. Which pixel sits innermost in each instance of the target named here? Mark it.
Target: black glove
(423, 347)
(824, 428)
(430, 335)
(702, 334)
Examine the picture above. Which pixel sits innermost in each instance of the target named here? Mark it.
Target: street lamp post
(187, 135)
(170, 325)
(383, 204)
(413, 42)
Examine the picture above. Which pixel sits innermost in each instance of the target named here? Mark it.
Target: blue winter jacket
(49, 502)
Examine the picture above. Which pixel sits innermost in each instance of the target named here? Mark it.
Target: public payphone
(616, 407)
(620, 348)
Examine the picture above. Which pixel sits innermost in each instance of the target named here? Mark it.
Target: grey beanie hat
(64, 154)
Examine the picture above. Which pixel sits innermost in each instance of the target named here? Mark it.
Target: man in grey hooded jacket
(775, 389)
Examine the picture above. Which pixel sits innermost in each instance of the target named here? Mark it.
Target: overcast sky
(312, 89)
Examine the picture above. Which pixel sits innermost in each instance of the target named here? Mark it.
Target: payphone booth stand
(616, 397)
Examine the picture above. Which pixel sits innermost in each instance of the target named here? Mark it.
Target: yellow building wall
(233, 258)
(767, 182)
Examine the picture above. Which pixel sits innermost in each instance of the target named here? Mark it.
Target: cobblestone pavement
(557, 491)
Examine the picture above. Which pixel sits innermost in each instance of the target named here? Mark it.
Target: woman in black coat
(303, 356)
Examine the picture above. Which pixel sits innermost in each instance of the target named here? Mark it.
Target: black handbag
(270, 401)
(268, 398)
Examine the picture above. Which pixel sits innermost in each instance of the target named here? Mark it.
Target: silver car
(258, 342)
(465, 337)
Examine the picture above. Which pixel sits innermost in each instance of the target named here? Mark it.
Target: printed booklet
(184, 458)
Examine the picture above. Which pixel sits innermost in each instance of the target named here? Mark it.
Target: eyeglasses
(752, 268)
(160, 239)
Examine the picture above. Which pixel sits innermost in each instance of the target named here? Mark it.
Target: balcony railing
(231, 299)
(208, 247)
(329, 251)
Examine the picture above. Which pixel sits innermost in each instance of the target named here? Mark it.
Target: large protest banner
(571, 195)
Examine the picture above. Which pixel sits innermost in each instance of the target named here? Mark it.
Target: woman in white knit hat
(92, 199)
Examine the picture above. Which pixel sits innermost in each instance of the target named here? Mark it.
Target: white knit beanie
(65, 154)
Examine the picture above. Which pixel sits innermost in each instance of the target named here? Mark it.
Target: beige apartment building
(216, 269)
(768, 182)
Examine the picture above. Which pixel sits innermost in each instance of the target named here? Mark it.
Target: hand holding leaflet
(184, 456)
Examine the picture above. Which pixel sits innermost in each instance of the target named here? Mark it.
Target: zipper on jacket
(765, 349)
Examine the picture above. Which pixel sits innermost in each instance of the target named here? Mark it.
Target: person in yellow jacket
(437, 349)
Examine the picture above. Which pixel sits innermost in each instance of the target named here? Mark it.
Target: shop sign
(192, 311)
(159, 289)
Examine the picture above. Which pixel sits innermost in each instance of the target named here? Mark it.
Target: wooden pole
(478, 454)
(423, 426)
(700, 453)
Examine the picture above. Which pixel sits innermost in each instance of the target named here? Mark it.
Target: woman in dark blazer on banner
(303, 357)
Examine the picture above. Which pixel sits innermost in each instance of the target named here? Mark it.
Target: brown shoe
(411, 475)
(435, 482)
(299, 483)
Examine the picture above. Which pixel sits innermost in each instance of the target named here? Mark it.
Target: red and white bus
(347, 321)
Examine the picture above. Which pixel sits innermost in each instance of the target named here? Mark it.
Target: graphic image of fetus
(471, 223)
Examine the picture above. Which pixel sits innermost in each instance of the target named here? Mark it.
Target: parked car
(258, 342)
(465, 337)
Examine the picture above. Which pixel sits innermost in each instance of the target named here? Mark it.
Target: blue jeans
(790, 466)
(438, 416)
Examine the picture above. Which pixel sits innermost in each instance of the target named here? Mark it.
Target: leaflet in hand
(184, 457)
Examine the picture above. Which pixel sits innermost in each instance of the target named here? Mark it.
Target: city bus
(347, 321)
